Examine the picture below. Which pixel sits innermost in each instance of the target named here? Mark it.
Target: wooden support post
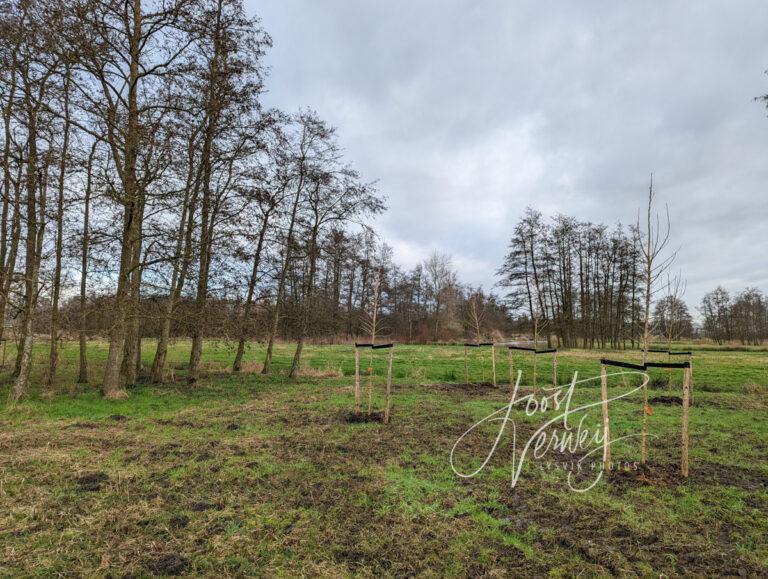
(554, 370)
(357, 380)
(370, 382)
(534, 371)
(511, 368)
(606, 424)
(644, 428)
(482, 365)
(493, 364)
(686, 402)
(690, 385)
(389, 386)
(466, 367)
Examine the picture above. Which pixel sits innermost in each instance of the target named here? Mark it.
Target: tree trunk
(307, 306)
(112, 386)
(34, 241)
(83, 373)
(281, 282)
(54, 354)
(238, 363)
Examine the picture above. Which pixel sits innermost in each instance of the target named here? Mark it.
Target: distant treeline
(743, 318)
(583, 284)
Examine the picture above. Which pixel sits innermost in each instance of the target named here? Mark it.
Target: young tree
(654, 241)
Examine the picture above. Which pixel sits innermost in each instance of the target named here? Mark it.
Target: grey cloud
(468, 111)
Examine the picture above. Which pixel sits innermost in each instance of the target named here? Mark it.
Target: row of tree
(743, 318)
(147, 192)
(580, 283)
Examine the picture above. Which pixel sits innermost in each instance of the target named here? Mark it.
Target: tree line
(146, 191)
(742, 318)
(578, 283)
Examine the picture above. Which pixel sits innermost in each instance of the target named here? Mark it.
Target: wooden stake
(690, 386)
(482, 364)
(493, 364)
(686, 402)
(389, 386)
(606, 425)
(466, 367)
(370, 382)
(644, 431)
(357, 381)
(511, 368)
(534, 371)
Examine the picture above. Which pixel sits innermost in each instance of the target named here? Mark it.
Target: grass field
(252, 475)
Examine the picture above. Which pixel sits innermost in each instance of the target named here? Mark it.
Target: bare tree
(654, 237)
(37, 66)
(82, 377)
(59, 252)
(441, 280)
(307, 145)
(126, 57)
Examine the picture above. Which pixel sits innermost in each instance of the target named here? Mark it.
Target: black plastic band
(618, 364)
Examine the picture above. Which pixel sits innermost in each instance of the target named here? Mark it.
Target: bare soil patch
(362, 417)
(667, 400)
(93, 481)
(169, 565)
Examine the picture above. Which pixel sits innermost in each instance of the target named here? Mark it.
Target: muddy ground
(287, 481)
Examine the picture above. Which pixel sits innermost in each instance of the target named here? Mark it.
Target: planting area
(264, 475)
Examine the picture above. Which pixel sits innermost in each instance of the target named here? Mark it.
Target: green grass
(261, 475)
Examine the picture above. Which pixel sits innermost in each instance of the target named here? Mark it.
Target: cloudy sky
(467, 111)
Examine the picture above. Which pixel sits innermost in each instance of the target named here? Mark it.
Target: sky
(467, 111)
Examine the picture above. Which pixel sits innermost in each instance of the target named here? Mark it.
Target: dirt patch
(118, 417)
(233, 426)
(362, 417)
(308, 372)
(86, 425)
(662, 475)
(471, 388)
(178, 521)
(169, 565)
(204, 456)
(668, 400)
(201, 506)
(706, 473)
(91, 482)
(710, 473)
